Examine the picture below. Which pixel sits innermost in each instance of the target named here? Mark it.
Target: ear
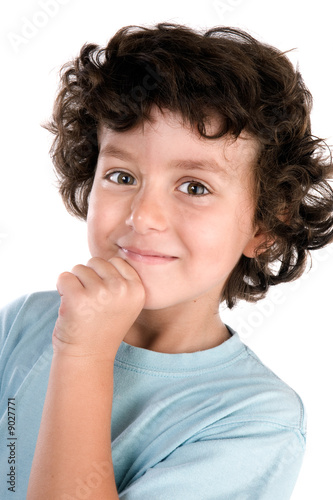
(258, 239)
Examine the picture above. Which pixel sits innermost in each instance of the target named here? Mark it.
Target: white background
(291, 330)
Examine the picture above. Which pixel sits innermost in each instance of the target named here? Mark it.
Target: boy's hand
(99, 303)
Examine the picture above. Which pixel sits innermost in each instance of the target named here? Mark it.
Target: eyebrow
(210, 165)
(109, 150)
(205, 165)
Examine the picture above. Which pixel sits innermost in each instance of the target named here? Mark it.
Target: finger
(113, 268)
(68, 283)
(125, 269)
(87, 276)
(102, 268)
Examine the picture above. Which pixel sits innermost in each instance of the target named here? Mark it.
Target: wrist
(88, 376)
(76, 352)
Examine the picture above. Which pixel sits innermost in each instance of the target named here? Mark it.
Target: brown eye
(193, 188)
(122, 178)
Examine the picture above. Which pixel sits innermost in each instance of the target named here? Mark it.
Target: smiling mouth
(146, 256)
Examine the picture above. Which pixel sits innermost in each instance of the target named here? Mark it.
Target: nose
(147, 212)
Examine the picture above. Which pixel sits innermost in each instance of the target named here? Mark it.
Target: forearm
(73, 449)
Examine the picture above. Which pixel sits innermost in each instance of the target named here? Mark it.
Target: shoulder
(30, 304)
(27, 316)
(264, 399)
(26, 327)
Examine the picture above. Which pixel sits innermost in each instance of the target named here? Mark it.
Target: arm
(73, 451)
(74, 436)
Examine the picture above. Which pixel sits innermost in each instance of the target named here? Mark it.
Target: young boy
(191, 158)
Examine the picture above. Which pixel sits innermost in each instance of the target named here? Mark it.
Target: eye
(193, 188)
(120, 177)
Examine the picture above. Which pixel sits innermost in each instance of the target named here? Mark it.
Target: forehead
(166, 137)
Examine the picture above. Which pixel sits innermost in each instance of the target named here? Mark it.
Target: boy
(191, 158)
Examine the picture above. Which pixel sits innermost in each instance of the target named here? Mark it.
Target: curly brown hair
(223, 72)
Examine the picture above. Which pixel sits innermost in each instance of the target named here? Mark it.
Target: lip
(146, 256)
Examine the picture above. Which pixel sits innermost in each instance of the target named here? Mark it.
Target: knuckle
(120, 285)
(103, 296)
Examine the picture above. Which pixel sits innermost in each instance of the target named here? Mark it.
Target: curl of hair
(224, 73)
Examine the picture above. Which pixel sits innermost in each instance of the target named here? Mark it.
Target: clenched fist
(99, 303)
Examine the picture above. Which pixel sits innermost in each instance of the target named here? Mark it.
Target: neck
(182, 328)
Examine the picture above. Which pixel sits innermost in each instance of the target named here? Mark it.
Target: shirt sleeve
(8, 314)
(253, 461)
(26, 325)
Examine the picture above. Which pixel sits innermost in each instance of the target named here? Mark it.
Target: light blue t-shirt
(210, 425)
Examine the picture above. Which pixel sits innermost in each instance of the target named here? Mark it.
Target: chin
(153, 303)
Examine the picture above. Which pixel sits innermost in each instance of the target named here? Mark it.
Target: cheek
(209, 230)
(105, 220)
(97, 222)
(218, 238)
(94, 234)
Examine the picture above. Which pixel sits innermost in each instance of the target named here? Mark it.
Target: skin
(156, 213)
(164, 231)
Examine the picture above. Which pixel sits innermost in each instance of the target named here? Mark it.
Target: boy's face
(175, 206)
